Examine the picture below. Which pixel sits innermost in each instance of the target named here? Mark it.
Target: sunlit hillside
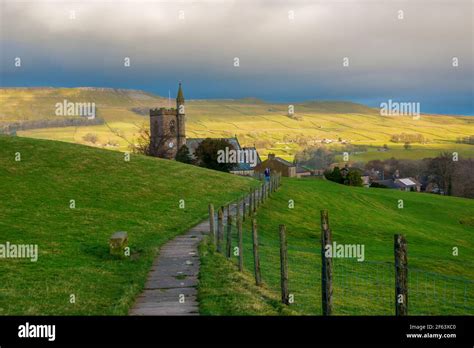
(265, 125)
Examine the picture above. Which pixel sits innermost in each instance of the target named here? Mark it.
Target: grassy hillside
(240, 297)
(255, 122)
(439, 283)
(19, 104)
(141, 197)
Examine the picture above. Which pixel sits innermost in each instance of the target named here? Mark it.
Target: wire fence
(366, 287)
(373, 282)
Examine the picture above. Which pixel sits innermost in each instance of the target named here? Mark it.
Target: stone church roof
(193, 143)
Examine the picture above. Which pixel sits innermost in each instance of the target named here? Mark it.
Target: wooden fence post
(237, 210)
(261, 194)
(244, 209)
(241, 248)
(401, 275)
(220, 228)
(212, 231)
(326, 265)
(228, 245)
(256, 259)
(250, 203)
(285, 296)
(254, 200)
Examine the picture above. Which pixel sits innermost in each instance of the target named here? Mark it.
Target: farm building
(276, 165)
(303, 171)
(408, 184)
(403, 184)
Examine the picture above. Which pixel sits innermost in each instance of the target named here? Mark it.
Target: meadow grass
(440, 283)
(140, 197)
(241, 295)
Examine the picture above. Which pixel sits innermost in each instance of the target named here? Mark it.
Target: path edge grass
(224, 291)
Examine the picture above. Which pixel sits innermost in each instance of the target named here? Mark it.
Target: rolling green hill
(255, 122)
(439, 282)
(141, 196)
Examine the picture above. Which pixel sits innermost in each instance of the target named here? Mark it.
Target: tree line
(447, 173)
(12, 128)
(407, 138)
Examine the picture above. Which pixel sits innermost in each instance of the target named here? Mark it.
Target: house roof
(302, 169)
(253, 148)
(282, 161)
(398, 183)
(406, 182)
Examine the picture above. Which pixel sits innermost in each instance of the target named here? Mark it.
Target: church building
(167, 129)
(168, 135)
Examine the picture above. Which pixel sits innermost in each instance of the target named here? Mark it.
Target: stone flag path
(171, 288)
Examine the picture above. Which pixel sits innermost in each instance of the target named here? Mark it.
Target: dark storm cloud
(287, 50)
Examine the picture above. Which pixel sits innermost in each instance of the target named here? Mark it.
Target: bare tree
(463, 178)
(442, 169)
(143, 145)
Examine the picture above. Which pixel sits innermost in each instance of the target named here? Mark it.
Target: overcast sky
(287, 50)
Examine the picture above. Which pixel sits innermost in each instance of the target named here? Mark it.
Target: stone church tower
(167, 129)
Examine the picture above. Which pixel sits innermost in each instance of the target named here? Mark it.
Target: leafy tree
(207, 154)
(183, 155)
(407, 145)
(335, 175)
(353, 178)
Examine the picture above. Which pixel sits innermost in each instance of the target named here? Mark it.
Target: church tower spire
(180, 100)
(168, 129)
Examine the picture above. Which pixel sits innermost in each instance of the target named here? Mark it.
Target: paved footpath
(174, 276)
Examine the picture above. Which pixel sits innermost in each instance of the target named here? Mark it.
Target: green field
(439, 283)
(241, 295)
(140, 196)
(265, 125)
